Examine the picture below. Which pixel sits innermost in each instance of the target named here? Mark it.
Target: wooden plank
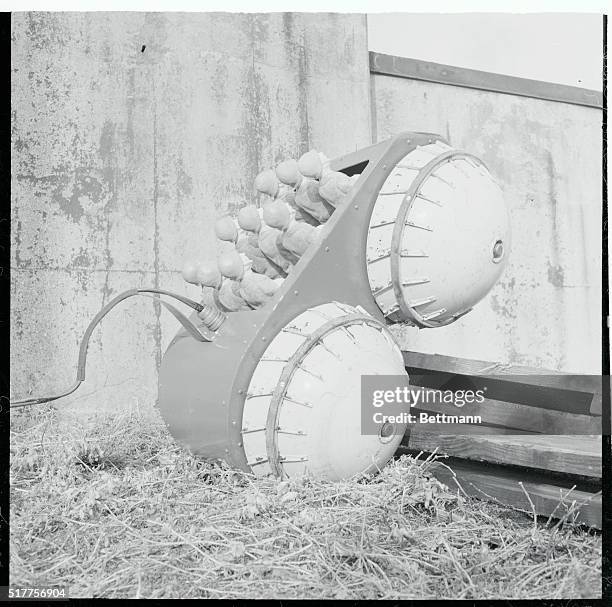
(464, 366)
(461, 429)
(521, 417)
(579, 455)
(547, 499)
(511, 373)
(544, 389)
(416, 69)
(596, 404)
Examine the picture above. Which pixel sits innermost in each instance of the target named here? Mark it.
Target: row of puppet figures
(266, 242)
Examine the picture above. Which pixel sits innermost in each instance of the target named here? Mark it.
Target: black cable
(216, 318)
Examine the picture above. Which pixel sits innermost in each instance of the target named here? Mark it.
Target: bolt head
(498, 251)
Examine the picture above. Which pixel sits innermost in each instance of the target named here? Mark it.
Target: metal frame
(404, 67)
(202, 386)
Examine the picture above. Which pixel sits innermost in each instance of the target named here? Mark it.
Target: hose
(211, 318)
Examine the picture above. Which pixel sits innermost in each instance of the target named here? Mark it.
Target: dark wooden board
(521, 417)
(463, 429)
(596, 404)
(480, 482)
(577, 455)
(515, 373)
(536, 435)
(539, 388)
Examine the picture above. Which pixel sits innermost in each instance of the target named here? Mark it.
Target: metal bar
(404, 67)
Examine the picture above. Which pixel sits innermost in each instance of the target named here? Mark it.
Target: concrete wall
(131, 132)
(546, 311)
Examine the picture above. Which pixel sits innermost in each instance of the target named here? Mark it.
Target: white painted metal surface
(302, 413)
(452, 245)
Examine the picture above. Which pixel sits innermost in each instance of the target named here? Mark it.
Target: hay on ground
(117, 509)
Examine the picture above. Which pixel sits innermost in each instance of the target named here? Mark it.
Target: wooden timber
(540, 435)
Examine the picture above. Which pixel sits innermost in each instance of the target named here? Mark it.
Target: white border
(342, 6)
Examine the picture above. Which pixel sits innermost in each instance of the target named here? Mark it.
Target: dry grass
(118, 510)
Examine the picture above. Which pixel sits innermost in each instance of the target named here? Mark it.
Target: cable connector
(211, 317)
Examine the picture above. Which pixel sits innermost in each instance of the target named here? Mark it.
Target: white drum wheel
(438, 238)
(302, 413)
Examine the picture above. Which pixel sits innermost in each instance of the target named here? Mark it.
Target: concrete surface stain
(157, 305)
(256, 130)
(107, 140)
(295, 49)
(555, 275)
(130, 106)
(506, 307)
(219, 81)
(260, 36)
(184, 182)
(70, 205)
(17, 242)
(43, 30)
(82, 260)
(107, 153)
(550, 174)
